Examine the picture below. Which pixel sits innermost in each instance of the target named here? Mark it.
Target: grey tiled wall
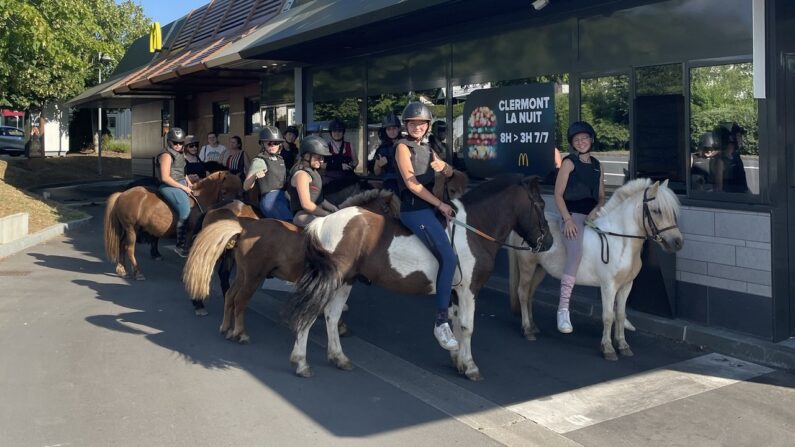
(726, 250)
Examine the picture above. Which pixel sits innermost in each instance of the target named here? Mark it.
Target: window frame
(221, 124)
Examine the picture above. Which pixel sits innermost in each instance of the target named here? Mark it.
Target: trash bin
(654, 289)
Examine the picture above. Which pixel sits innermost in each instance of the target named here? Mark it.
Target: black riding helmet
(390, 121)
(337, 125)
(314, 144)
(176, 135)
(580, 127)
(270, 133)
(417, 111)
(707, 141)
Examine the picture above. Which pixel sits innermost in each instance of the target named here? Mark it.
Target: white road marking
(576, 409)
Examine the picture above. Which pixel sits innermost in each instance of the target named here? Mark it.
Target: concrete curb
(779, 355)
(38, 237)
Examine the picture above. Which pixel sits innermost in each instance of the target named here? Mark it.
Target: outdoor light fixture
(540, 4)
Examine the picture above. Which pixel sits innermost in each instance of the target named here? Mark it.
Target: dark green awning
(318, 19)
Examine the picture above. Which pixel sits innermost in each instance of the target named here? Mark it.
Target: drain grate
(14, 273)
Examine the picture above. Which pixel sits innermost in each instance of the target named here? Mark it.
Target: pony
(143, 209)
(356, 244)
(267, 248)
(637, 211)
(259, 249)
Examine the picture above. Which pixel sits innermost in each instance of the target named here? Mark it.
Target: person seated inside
(195, 169)
(701, 162)
(213, 150)
(384, 165)
(269, 172)
(306, 185)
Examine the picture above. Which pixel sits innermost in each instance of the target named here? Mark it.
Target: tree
(49, 47)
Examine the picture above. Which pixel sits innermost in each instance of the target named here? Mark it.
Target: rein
(489, 238)
(647, 220)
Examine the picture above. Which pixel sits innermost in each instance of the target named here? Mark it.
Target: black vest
(421, 159)
(177, 165)
(275, 176)
(315, 188)
(582, 189)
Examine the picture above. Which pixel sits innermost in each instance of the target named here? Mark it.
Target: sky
(166, 11)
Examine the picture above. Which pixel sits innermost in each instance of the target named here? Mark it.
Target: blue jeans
(276, 206)
(424, 224)
(178, 200)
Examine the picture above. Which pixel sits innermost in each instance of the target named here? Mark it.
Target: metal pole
(99, 124)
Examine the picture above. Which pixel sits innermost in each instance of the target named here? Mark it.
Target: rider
(290, 147)
(306, 186)
(268, 170)
(579, 194)
(385, 154)
(175, 187)
(342, 159)
(417, 165)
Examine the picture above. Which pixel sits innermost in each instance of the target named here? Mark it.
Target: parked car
(12, 141)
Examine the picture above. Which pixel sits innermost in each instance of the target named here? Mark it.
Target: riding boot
(182, 234)
(564, 319)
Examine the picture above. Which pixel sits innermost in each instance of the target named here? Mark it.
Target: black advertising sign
(510, 129)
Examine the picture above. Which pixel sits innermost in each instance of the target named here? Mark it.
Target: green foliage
(50, 47)
(724, 93)
(111, 144)
(346, 110)
(605, 104)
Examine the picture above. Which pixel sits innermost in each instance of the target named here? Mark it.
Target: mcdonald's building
(655, 78)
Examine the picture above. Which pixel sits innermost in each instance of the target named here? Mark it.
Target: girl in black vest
(175, 187)
(306, 185)
(269, 171)
(194, 167)
(579, 193)
(417, 165)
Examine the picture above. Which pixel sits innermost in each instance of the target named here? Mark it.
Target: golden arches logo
(524, 160)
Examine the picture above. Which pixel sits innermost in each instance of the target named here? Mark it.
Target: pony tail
(113, 229)
(314, 290)
(211, 243)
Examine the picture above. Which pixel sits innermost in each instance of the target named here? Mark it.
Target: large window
(220, 118)
(604, 102)
(253, 121)
(723, 130)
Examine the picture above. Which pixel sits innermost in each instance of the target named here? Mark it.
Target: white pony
(637, 211)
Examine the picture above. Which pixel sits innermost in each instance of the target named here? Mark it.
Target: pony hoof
(342, 329)
(202, 312)
(140, 277)
(474, 375)
(229, 335)
(626, 352)
(346, 365)
(610, 356)
(530, 337)
(305, 372)
(243, 339)
(157, 258)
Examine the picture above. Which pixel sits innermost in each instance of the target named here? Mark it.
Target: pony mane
(669, 203)
(388, 199)
(487, 190)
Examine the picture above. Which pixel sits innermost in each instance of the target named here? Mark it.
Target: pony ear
(665, 183)
(530, 182)
(654, 187)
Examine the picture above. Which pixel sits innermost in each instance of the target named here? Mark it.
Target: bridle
(653, 233)
(534, 249)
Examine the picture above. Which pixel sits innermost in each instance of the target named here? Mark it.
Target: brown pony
(354, 243)
(261, 249)
(143, 209)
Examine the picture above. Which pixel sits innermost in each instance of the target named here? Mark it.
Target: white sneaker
(444, 335)
(564, 323)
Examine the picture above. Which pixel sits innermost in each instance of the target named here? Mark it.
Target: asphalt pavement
(92, 359)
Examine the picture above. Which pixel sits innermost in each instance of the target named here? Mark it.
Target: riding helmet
(314, 144)
(707, 141)
(176, 135)
(270, 133)
(439, 127)
(390, 121)
(336, 125)
(417, 111)
(580, 127)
